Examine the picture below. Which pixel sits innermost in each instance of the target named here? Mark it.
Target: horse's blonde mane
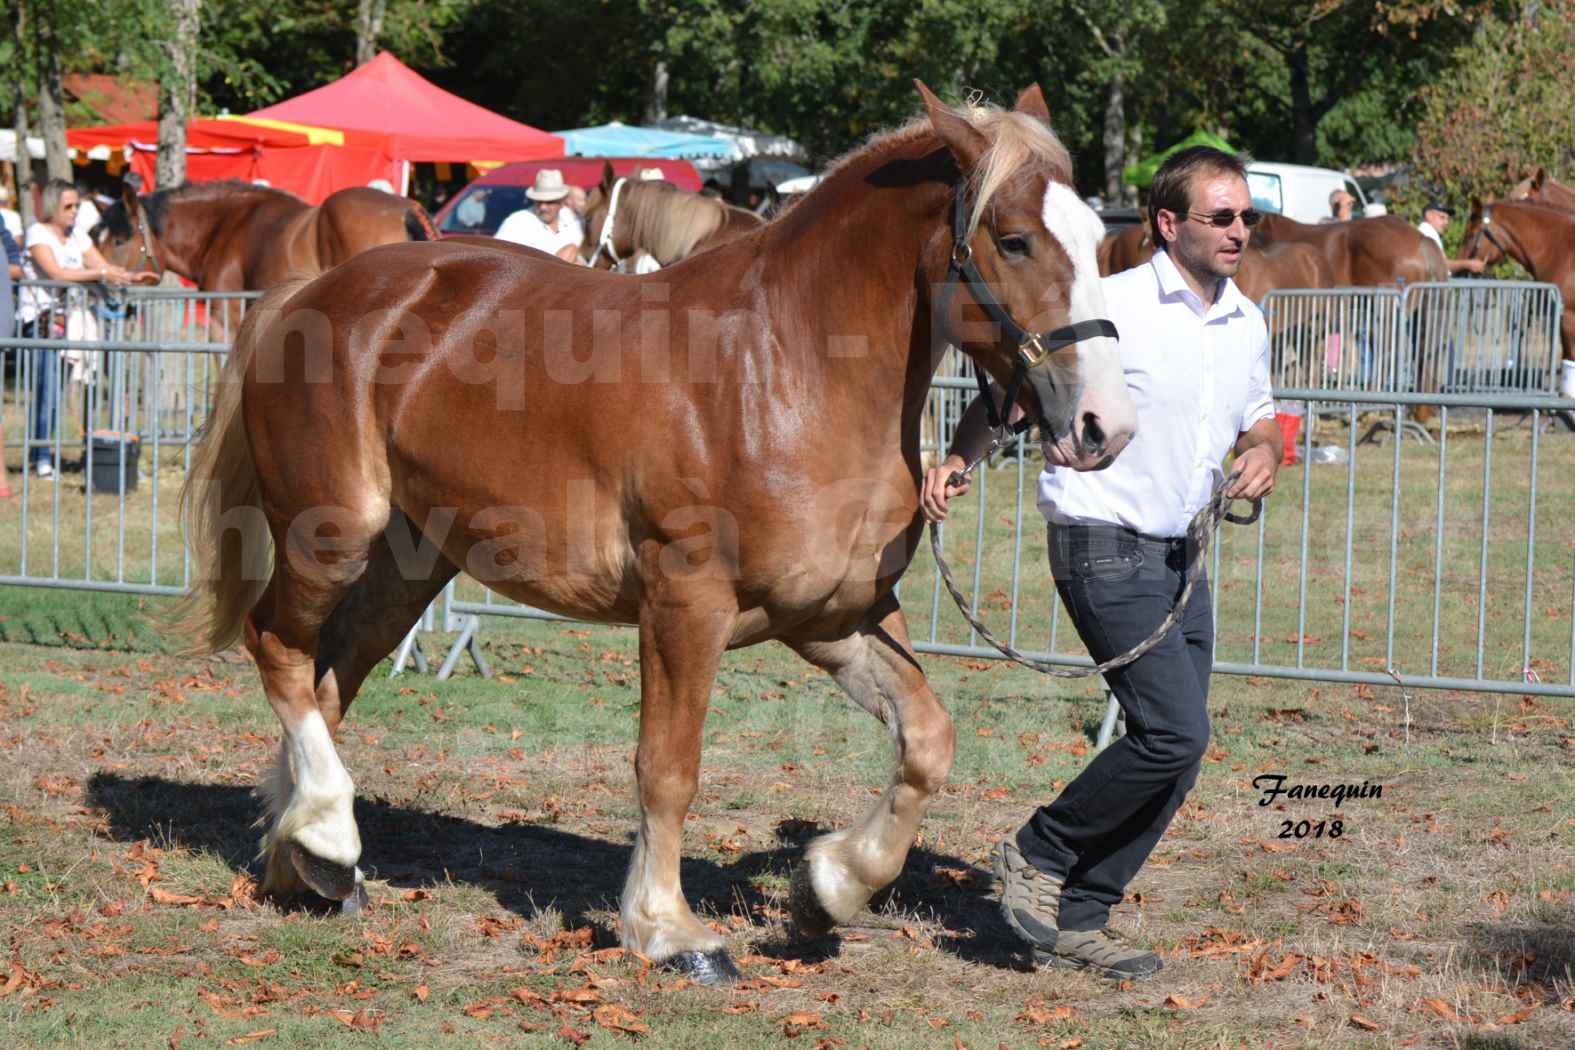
(1017, 140)
(666, 221)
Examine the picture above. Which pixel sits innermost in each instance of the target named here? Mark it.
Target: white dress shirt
(1198, 378)
(525, 227)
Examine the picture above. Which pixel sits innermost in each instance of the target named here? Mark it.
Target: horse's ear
(1032, 102)
(966, 142)
(128, 197)
(1476, 210)
(608, 177)
(1539, 177)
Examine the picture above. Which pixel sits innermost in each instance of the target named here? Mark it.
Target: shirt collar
(1172, 286)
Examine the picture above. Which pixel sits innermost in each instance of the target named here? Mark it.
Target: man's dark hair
(1173, 181)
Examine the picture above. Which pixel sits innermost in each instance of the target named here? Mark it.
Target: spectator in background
(543, 227)
(13, 264)
(472, 211)
(1435, 220)
(1340, 206)
(58, 249)
(574, 211)
(12, 221)
(13, 270)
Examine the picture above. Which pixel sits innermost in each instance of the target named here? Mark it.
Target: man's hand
(1254, 473)
(937, 491)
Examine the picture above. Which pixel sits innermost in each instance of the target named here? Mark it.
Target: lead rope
(1200, 531)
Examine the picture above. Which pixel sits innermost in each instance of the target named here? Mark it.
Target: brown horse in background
(234, 236)
(1124, 249)
(1541, 237)
(658, 218)
(1285, 265)
(725, 452)
(1363, 252)
(1540, 186)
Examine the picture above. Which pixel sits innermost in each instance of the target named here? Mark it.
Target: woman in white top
(56, 252)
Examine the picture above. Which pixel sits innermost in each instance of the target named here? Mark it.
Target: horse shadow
(531, 868)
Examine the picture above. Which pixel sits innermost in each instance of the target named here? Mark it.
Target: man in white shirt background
(1196, 357)
(1435, 220)
(544, 227)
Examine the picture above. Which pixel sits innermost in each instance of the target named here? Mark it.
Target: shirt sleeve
(1260, 394)
(13, 251)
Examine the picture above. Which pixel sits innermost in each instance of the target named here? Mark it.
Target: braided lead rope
(1200, 531)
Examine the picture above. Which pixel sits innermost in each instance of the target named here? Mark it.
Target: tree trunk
(51, 102)
(1304, 120)
(656, 93)
(24, 159)
(1115, 137)
(368, 28)
(177, 87)
(1135, 150)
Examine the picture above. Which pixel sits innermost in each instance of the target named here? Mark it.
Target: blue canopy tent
(622, 140)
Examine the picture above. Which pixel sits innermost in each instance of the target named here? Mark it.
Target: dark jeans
(1117, 587)
(46, 395)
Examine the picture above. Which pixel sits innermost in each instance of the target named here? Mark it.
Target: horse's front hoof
(714, 967)
(326, 878)
(809, 915)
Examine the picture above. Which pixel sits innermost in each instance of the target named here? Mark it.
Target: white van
(1302, 193)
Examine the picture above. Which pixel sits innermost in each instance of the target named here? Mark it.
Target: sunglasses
(69, 207)
(1224, 219)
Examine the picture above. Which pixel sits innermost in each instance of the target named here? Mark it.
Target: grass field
(497, 817)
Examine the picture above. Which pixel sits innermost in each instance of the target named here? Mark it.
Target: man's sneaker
(1030, 899)
(46, 470)
(1103, 951)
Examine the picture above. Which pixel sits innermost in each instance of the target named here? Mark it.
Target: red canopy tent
(309, 162)
(420, 120)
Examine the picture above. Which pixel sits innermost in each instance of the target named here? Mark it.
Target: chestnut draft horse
(1540, 186)
(624, 217)
(233, 236)
(724, 453)
(1541, 237)
(1362, 252)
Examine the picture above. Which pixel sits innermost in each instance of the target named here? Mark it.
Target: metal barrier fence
(1448, 337)
(1442, 565)
(108, 391)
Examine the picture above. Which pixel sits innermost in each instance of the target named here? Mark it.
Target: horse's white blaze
(1079, 231)
(312, 794)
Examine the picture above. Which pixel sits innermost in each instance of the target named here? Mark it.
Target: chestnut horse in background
(1363, 252)
(1541, 237)
(725, 452)
(1540, 186)
(234, 236)
(658, 218)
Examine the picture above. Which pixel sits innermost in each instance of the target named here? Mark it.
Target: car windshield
(1266, 192)
(482, 209)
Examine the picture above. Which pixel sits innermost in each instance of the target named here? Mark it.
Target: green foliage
(1508, 107)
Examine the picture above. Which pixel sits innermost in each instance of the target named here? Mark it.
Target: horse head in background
(627, 216)
(1540, 186)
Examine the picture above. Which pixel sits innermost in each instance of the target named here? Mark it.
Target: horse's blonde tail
(221, 506)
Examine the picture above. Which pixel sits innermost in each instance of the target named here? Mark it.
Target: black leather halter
(1032, 347)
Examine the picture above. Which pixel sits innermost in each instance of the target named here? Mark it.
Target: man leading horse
(1196, 356)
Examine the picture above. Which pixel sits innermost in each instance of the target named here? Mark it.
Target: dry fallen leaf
(1441, 1008)
(164, 897)
(1180, 1002)
(794, 1025)
(1363, 1023)
(619, 1019)
(1519, 1015)
(422, 991)
(252, 1037)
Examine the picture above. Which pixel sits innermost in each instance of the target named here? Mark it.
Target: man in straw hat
(544, 227)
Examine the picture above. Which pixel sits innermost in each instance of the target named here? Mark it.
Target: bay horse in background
(627, 216)
(725, 452)
(1541, 237)
(1127, 247)
(233, 236)
(1540, 186)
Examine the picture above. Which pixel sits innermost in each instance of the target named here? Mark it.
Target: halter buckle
(1031, 351)
(962, 251)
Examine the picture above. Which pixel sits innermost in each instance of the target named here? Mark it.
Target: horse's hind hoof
(809, 915)
(706, 967)
(326, 878)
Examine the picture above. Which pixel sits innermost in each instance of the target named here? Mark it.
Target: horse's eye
(1014, 244)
